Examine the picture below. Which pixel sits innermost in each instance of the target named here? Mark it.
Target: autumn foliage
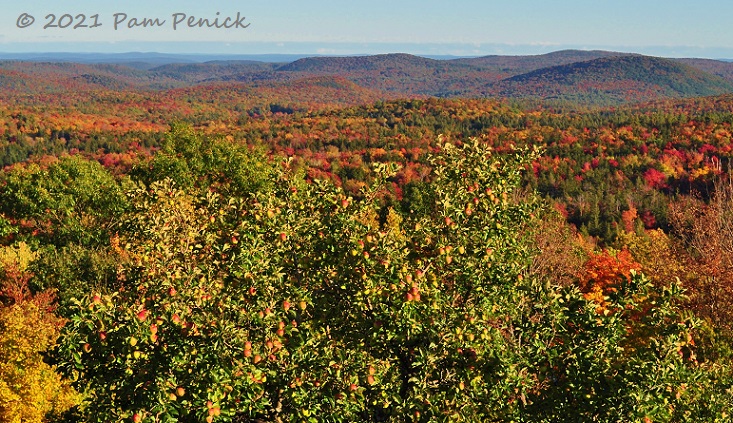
(292, 300)
(605, 273)
(30, 389)
(300, 251)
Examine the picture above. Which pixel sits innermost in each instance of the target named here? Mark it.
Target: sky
(669, 28)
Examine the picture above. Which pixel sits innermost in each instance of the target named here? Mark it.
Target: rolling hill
(586, 77)
(403, 73)
(612, 80)
(59, 77)
(517, 65)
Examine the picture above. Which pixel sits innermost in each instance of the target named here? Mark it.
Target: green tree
(191, 160)
(296, 302)
(71, 200)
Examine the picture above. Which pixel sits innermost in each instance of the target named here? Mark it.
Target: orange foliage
(604, 273)
(628, 218)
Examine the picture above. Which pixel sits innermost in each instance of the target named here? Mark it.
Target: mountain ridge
(617, 77)
(583, 76)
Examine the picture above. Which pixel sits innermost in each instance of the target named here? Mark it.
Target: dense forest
(371, 239)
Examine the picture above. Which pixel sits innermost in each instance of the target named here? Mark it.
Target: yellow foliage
(30, 388)
(700, 173)
(393, 225)
(596, 295)
(655, 252)
(671, 166)
(18, 256)
(368, 218)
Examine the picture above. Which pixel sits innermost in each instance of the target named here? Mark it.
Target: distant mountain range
(587, 77)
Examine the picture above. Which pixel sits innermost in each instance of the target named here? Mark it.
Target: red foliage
(707, 148)
(536, 167)
(14, 290)
(655, 179)
(562, 209)
(649, 220)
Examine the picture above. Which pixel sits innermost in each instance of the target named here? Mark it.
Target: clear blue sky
(463, 27)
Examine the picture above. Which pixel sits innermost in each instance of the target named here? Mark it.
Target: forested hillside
(329, 240)
(580, 78)
(613, 80)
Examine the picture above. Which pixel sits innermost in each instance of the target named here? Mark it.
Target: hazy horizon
(437, 51)
(670, 28)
